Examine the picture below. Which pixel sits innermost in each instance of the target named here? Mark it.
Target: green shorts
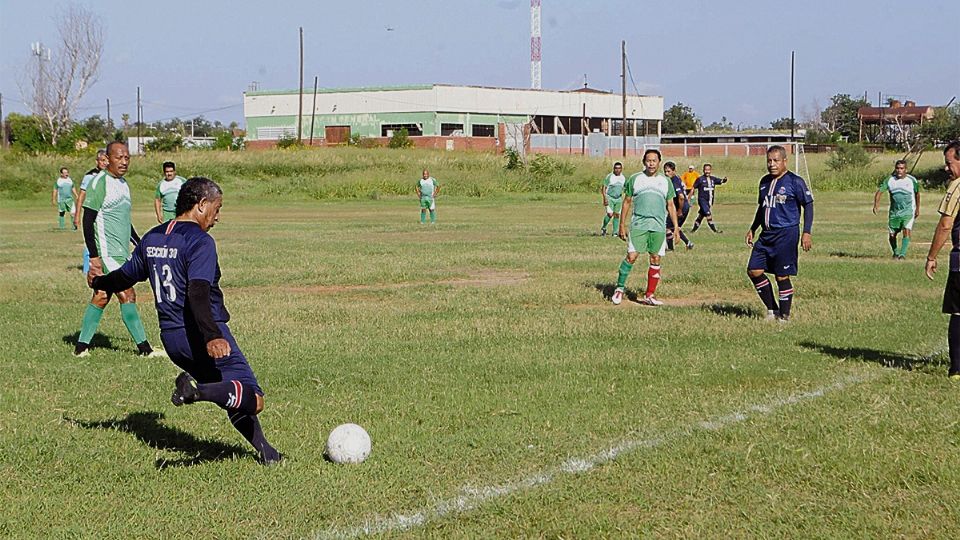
(647, 241)
(167, 216)
(615, 204)
(66, 205)
(898, 223)
(427, 203)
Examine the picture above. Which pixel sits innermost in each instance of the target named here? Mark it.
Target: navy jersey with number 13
(169, 257)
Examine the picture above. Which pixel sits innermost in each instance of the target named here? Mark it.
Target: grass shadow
(884, 358)
(99, 341)
(851, 255)
(606, 289)
(724, 309)
(148, 428)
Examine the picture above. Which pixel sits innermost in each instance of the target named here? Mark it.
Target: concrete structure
(445, 116)
(894, 122)
(728, 144)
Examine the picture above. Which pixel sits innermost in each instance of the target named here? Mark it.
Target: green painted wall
(368, 125)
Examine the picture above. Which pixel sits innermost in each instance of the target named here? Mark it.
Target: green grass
(481, 352)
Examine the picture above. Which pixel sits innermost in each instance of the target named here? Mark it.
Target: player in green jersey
(648, 200)
(64, 197)
(165, 200)
(108, 231)
(904, 206)
(612, 193)
(427, 190)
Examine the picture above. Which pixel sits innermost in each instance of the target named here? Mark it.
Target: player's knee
(754, 273)
(783, 278)
(259, 405)
(632, 257)
(654, 259)
(100, 299)
(128, 296)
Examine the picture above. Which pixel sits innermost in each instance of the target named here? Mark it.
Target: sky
(723, 58)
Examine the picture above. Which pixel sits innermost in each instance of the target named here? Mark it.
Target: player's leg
(656, 246)
(607, 216)
(73, 214)
(433, 211)
(698, 221)
(907, 232)
(626, 265)
(681, 219)
(91, 320)
(757, 267)
(131, 319)
(951, 306)
(60, 219)
(785, 265)
(670, 238)
(227, 382)
(616, 205)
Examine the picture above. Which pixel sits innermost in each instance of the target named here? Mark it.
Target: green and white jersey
(650, 195)
(64, 187)
(614, 185)
(167, 191)
(428, 187)
(110, 198)
(902, 195)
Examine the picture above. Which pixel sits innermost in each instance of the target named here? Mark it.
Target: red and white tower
(535, 44)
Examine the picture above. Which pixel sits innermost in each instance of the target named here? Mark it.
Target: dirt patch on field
(482, 278)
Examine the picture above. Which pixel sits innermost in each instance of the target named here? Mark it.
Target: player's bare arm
(940, 235)
(625, 211)
(876, 202)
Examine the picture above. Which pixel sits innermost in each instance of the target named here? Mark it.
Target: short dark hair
(899, 162)
(64, 169)
(652, 151)
(168, 165)
(708, 165)
(779, 149)
(194, 190)
(955, 146)
(101, 152)
(670, 164)
(618, 163)
(111, 144)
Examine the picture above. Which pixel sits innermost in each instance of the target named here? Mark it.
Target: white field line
(471, 498)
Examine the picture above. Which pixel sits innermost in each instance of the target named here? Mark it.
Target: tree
(784, 124)
(59, 79)
(945, 126)
(679, 118)
(722, 125)
(841, 115)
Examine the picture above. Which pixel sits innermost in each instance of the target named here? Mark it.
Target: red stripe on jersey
(170, 226)
(239, 389)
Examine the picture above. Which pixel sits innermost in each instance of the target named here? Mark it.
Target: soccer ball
(348, 443)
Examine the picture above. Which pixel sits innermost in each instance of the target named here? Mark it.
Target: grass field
(506, 397)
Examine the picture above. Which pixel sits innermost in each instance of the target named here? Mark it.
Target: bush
(289, 141)
(401, 139)
(849, 156)
(165, 143)
(514, 160)
(544, 166)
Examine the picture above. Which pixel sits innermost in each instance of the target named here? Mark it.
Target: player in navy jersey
(179, 259)
(706, 186)
(782, 196)
(680, 202)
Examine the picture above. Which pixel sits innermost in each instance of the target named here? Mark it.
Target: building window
(274, 133)
(451, 130)
(413, 130)
(484, 130)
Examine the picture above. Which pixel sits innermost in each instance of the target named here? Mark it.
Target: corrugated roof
(413, 87)
(907, 114)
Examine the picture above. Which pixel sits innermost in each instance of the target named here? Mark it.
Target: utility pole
(109, 121)
(792, 122)
(3, 125)
(313, 111)
(584, 128)
(139, 123)
(300, 103)
(623, 79)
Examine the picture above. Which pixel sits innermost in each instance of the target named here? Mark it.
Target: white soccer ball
(348, 443)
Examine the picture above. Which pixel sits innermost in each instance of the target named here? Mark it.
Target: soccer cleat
(772, 315)
(690, 246)
(271, 457)
(82, 350)
(651, 301)
(783, 319)
(901, 258)
(185, 390)
(617, 296)
(955, 377)
(157, 353)
(603, 232)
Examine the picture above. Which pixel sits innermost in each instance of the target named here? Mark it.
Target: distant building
(739, 143)
(452, 117)
(896, 120)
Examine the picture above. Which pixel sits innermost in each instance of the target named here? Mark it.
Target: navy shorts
(775, 252)
(951, 294)
(704, 207)
(189, 352)
(681, 218)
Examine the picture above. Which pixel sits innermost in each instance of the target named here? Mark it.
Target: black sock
(144, 348)
(670, 239)
(786, 297)
(232, 395)
(893, 243)
(696, 223)
(953, 338)
(712, 226)
(765, 291)
(249, 426)
(684, 238)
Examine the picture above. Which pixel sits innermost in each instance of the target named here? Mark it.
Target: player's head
(691, 167)
(900, 168)
(64, 172)
(651, 161)
(951, 159)
(777, 160)
(118, 158)
(708, 169)
(201, 199)
(169, 170)
(670, 168)
(101, 159)
(426, 174)
(617, 168)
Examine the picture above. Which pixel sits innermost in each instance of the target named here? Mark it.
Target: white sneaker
(617, 296)
(158, 353)
(651, 301)
(772, 315)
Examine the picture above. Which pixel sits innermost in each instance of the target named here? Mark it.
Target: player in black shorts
(706, 187)
(179, 259)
